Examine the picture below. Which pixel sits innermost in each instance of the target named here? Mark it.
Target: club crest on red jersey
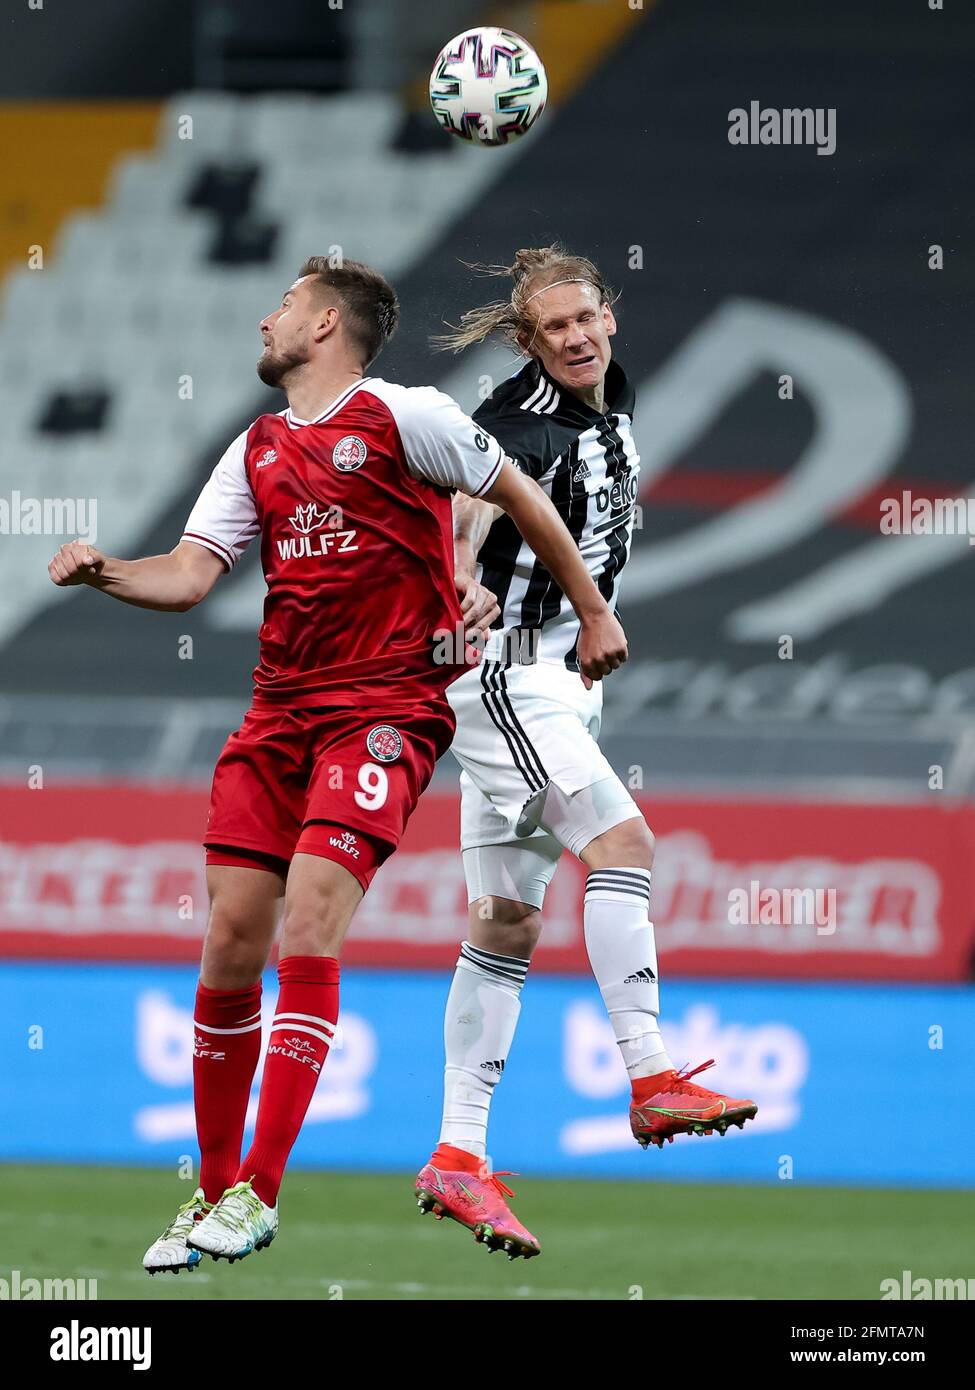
(349, 454)
(384, 743)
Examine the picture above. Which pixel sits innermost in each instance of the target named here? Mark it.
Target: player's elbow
(196, 590)
(197, 571)
(186, 593)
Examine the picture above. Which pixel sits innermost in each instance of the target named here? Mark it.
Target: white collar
(340, 400)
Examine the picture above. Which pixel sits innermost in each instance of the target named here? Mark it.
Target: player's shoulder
(620, 391)
(528, 435)
(409, 403)
(531, 395)
(509, 396)
(265, 429)
(268, 422)
(234, 456)
(258, 443)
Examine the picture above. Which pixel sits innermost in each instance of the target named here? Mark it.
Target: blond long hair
(534, 268)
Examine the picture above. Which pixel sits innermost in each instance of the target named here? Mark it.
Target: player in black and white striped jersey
(534, 781)
(587, 461)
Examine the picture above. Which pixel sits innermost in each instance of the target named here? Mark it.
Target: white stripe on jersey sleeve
(441, 443)
(224, 516)
(535, 396)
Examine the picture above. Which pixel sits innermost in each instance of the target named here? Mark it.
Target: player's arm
(448, 448)
(602, 643)
(473, 520)
(220, 527)
(169, 583)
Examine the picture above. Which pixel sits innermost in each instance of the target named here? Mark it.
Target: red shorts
(339, 783)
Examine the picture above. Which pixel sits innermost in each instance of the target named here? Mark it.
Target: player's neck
(593, 397)
(311, 395)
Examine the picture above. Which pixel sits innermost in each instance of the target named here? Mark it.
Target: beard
(273, 368)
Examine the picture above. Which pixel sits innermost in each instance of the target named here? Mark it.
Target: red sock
(304, 1025)
(226, 1046)
(456, 1160)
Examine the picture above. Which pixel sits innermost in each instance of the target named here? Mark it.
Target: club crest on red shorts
(384, 743)
(349, 454)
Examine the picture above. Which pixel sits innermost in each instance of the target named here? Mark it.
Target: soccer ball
(488, 86)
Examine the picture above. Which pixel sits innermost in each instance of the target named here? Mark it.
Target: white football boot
(238, 1224)
(170, 1251)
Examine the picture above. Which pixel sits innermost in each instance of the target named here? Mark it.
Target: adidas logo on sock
(642, 977)
(493, 1066)
(581, 472)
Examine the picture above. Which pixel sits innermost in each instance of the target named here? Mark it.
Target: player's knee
(234, 948)
(505, 927)
(629, 843)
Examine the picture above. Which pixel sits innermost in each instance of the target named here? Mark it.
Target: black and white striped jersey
(589, 466)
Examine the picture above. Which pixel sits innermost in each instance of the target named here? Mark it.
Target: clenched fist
(602, 647)
(77, 562)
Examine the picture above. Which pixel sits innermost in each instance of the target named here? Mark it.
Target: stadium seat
(217, 125)
(147, 186)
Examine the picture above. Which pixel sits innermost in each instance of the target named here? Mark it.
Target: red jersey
(353, 509)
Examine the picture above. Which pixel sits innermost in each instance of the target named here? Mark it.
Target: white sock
(479, 1024)
(619, 940)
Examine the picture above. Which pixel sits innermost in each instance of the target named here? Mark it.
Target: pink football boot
(456, 1183)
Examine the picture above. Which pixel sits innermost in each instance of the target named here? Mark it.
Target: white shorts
(534, 779)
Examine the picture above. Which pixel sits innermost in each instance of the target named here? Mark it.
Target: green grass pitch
(360, 1236)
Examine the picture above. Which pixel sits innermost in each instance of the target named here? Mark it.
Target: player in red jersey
(349, 489)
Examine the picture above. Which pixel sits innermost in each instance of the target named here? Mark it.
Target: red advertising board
(116, 872)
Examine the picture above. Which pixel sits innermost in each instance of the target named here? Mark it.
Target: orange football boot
(670, 1103)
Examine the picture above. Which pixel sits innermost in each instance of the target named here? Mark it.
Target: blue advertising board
(854, 1085)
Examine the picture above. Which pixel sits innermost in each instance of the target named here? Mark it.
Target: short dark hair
(369, 300)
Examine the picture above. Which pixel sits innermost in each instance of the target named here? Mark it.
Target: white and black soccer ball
(488, 86)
